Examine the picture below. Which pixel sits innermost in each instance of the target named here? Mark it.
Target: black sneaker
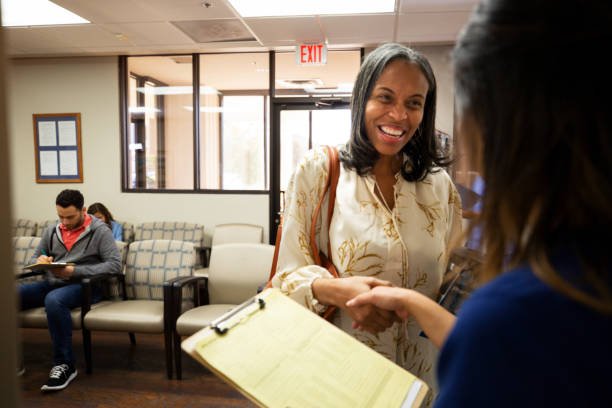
(59, 377)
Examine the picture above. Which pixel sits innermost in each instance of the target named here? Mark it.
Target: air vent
(221, 30)
(299, 83)
(182, 59)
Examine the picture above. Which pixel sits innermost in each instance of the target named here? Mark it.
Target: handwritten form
(286, 356)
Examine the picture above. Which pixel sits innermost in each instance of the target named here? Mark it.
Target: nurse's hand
(338, 292)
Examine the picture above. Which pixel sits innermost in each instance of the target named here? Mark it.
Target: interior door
(299, 127)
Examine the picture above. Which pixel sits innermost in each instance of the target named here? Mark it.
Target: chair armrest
(173, 297)
(86, 291)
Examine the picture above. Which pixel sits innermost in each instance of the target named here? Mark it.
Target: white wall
(90, 86)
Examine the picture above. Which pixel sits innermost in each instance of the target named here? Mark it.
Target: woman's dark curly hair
(422, 150)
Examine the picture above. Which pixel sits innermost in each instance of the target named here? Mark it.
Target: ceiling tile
(296, 29)
(371, 28)
(431, 27)
(123, 11)
(149, 33)
(408, 6)
(57, 37)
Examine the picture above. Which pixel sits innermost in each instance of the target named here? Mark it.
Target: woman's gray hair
(422, 150)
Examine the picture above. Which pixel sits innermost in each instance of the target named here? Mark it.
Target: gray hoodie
(94, 252)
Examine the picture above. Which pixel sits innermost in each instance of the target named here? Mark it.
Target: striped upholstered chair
(23, 250)
(43, 225)
(24, 228)
(128, 231)
(177, 231)
(151, 267)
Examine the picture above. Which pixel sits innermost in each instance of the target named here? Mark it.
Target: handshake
(374, 305)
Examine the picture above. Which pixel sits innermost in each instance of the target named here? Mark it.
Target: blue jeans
(57, 300)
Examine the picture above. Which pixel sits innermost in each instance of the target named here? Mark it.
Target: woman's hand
(434, 320)
(396, 300)
(338, 292)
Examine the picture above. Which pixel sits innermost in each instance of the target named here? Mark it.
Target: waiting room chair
(43, 225)
(150, 269)
(237, 233)
(231, 234)
(178, 231)
(128, 231)
(235, 273)
(24, 228)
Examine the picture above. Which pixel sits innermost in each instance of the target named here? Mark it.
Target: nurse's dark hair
(423, 150)
(542, 119)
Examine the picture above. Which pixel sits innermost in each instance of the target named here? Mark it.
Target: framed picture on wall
(57, 146)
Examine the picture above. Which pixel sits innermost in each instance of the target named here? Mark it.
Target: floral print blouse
(406, 246)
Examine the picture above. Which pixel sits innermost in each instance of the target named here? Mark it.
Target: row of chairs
(158, 293)
(171, 230)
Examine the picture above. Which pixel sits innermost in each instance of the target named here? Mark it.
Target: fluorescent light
(275, 8)
(143, 109)
(207, 109)
(176, 90)
(36, 13)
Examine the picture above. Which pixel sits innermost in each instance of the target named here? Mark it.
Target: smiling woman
(395, 212)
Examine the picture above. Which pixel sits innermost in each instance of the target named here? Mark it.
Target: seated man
(88, 243)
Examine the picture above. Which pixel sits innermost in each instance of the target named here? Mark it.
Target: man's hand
(64, 273)
(44, 259)
(339, 291)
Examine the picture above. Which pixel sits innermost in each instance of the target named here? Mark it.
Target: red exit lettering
(311, 54)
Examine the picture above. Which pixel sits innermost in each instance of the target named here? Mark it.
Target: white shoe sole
(62, 386)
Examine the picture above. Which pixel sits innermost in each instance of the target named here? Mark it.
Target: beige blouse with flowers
(406, 246)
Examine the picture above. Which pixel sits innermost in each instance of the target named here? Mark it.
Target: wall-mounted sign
(57, 147)
(311, 54)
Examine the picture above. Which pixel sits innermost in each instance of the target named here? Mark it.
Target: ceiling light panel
(16, 13)
(275, 8)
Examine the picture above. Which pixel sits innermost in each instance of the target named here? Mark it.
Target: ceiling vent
(182, 59)
(209, 31)
(299, 83)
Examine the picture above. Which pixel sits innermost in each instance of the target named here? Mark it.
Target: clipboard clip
(216, 324)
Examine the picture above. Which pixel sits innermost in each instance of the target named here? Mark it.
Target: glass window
(336, 78)
(233, 121)
(160, 122)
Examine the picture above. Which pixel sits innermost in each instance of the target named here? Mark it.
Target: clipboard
(47, 266)
(279, 354)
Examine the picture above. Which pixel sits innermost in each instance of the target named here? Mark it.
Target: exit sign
(311, 54)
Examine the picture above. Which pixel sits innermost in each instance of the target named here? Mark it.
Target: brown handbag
(320, 258)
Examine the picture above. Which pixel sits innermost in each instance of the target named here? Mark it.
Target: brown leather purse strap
(331, 183)
(279, 231)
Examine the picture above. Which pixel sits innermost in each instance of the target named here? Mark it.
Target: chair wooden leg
(168, 350)
(177, 356)
(132, 338)
(87, 349)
